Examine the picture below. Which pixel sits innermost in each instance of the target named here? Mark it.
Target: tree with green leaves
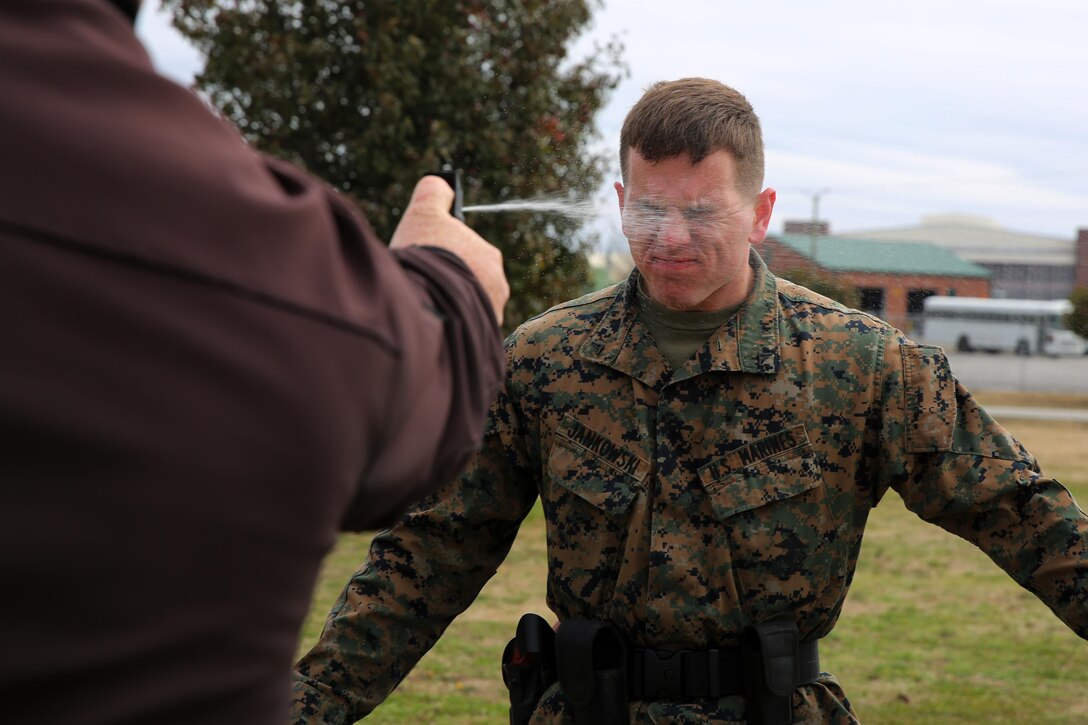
(370, 95)
(1077, 320)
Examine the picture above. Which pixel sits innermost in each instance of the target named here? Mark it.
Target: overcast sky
(888, 110)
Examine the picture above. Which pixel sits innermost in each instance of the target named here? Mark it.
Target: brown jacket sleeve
(407, 466)
(428, 398)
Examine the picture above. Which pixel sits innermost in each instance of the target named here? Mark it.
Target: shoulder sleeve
(957, 467)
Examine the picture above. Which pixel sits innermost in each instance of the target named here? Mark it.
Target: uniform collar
(748, 342)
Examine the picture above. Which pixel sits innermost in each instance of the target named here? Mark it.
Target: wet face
(690, 229)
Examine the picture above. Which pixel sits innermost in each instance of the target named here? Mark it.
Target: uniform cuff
(313, 702)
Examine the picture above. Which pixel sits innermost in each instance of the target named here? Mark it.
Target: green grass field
(932, 631)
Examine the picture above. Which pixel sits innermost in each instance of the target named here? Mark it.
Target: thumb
(432, 193)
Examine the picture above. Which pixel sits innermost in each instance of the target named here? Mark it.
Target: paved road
(1004, 412)
(985, 371)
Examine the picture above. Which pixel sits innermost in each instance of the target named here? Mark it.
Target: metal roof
(980, 240)
(849, 254)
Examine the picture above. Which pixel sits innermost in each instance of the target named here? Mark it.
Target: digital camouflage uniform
(684, 505)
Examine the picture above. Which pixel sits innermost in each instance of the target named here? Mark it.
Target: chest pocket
(591, 484)
(785, 544)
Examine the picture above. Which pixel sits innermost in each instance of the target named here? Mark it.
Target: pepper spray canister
(453, 178)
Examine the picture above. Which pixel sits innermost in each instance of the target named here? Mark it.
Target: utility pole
(815, 219)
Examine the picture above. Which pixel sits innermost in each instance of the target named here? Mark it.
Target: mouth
(670, 261)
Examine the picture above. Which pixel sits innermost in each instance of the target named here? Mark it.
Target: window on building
(916, 298)
(871, 299)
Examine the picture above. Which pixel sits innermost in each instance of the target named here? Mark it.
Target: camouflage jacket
(683, 505)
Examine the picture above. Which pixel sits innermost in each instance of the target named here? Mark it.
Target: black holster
(528, 666)
(771, 671)
(592, 661)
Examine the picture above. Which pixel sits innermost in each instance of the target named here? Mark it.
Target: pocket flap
(764, 471)
(595, 468)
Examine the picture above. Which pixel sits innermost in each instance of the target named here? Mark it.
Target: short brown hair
(697, 116)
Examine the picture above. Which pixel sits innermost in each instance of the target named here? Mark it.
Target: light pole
(815, 219)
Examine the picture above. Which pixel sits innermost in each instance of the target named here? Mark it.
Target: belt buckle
(662, 674)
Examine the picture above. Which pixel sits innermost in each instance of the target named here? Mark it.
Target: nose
(674, 229)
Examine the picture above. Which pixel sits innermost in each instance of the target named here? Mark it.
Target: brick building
(1022, 265)
(1080, 269)
(892, 277)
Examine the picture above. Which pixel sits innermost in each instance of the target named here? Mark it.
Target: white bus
(1026, 327)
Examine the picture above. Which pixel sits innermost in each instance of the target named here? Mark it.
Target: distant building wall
(791, 226)
(889, 296)
(898, 288)
(1022, 265)
(1030, 281)
(1081, 263)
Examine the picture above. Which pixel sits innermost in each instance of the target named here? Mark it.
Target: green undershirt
(679, 334)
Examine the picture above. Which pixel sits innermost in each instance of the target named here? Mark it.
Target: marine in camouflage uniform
(684, 505)
(687, 500)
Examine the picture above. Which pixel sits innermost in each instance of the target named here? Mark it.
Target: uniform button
(661, 459)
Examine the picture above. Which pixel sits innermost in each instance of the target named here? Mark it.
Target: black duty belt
(600, 674)
(671, 675)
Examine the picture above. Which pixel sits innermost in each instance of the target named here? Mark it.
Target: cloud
(893, 187)
(900, 109)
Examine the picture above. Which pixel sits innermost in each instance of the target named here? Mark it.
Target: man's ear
(762, 221)
(618, 186)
